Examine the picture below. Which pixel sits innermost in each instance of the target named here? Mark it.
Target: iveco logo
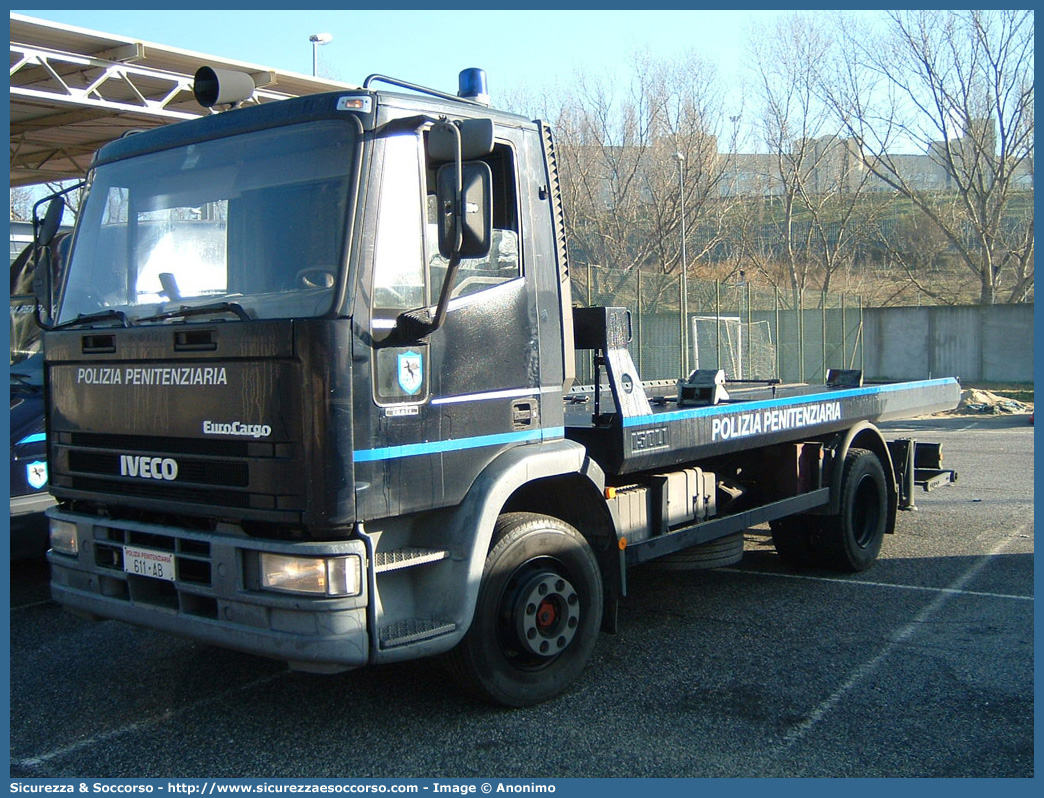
(148, 467)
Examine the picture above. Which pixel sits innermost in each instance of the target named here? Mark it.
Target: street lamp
(684, 283)
(316, 39)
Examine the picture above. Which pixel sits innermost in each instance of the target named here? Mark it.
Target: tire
(716, 554)
(538, 613)
(792, 537)
(851, 540)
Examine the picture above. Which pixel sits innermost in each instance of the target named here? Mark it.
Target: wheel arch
(573, 498)
(533, 479)
(863, 435)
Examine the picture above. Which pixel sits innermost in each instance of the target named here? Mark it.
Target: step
(413, 630)
(406, 558)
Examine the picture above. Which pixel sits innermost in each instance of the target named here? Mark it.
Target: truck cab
(245, 382)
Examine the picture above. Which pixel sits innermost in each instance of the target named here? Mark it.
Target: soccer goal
(743, 349)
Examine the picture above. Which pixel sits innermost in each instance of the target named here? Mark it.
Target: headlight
(334, 576)
(63, 537)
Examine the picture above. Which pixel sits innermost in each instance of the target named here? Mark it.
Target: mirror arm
(444, 295)
(411, 325)
(404, 124)
(458, 212)
(43, 325)
(416, 325)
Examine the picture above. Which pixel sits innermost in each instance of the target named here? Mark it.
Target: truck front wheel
(538, 613)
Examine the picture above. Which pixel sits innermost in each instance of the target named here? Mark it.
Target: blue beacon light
(472, 85)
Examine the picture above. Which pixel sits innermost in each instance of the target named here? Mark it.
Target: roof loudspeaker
(221, 87)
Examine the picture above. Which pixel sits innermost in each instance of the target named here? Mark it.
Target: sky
(538, 49)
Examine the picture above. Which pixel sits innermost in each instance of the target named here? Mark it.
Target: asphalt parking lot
(920, 667)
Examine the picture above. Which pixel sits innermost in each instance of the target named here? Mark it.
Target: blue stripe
(438, 447)
(681, 415)
(36, 438)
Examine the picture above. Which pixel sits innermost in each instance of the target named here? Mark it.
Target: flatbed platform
(657, 434)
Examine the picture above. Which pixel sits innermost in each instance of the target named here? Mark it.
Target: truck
(311, 395)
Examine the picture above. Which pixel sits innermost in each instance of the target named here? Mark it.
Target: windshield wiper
(200, 310)
(87, 318)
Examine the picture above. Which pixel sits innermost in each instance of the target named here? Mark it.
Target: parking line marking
(35, 761)
(900, 637)
(33, 604)
(839, 580)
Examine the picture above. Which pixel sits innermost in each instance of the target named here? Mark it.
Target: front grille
(207, 472)
(170, 446)
(230, 475)
(162, 490)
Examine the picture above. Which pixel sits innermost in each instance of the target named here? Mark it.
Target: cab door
(486, 357)
(397, 459)
(442, 407)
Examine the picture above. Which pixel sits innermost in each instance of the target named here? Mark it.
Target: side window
(398, 279)
(504, 261)
(400, 373)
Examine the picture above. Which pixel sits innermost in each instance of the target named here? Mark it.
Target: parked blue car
(29, 496)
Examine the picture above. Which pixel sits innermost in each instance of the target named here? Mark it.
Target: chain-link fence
(753, 333)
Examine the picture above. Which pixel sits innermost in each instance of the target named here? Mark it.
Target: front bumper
(215, 597)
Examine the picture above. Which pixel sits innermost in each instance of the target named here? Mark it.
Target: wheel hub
(548, 614)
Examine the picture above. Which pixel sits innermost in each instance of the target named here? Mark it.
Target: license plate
(148, 562)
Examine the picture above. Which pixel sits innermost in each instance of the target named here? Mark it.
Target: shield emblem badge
(411, 372)
(36, 474)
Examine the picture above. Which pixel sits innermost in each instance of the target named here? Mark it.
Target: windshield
(256, 219)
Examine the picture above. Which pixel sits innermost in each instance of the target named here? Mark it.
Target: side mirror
(43, 267)
(465, 230)
(464, 199)
(48, 228)
(476, 140)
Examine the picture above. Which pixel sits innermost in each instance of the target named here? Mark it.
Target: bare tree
(958, 86)
(21, 204)
(920, 258)
(822, 188)
(620, 166)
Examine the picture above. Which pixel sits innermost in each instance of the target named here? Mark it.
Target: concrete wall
(980, 343)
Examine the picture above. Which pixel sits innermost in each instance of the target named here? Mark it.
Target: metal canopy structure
(74, 90)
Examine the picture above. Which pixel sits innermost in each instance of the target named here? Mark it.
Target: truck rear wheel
(851, 540)
(538, 613)
(792, 537)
